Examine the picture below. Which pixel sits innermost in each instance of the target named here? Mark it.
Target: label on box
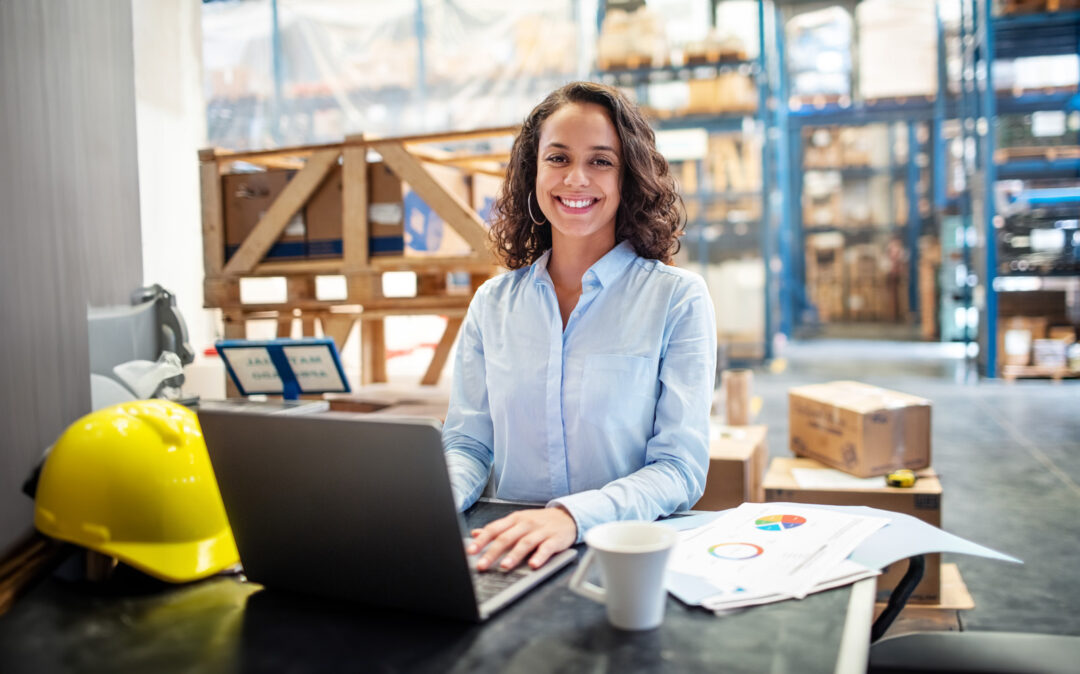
(385, 214)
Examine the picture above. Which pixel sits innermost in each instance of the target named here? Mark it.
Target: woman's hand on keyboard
(541, 532)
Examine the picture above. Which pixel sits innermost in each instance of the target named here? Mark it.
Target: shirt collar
(605, 270)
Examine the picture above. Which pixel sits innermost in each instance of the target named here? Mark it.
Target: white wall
(69, 216)
(171, 127)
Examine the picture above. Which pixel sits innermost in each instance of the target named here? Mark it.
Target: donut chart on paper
(736, 551)
(779, 522)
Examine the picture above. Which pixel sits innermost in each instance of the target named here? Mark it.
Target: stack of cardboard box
(825, 274)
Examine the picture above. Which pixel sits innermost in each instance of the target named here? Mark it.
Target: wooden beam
(442, 352)
(448, 135)
(372, 351)
(291, 200)
(213, 215)
(337, 327)
(328, 267)
(354, 208)
(255, 156)
(457, 214)
(423, 264)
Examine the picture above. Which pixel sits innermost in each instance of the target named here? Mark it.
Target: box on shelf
(323, 214)
(1064, 333)
(1017, 335)
(426, 233)
(861, 429)
(1049, 353)
(884, 24)
(819, 52)
(246, 198)
(923, 501)
(485, 190)
(727, 92)
(738, 458)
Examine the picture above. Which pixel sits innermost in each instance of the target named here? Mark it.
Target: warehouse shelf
(1010, 37)
(1039, 168)
(921, 169)
(863, 112)
(1036, 101)
(659, 74)
(720, 122)
(858, 171)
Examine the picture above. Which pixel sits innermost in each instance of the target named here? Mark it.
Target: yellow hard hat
(134, 481)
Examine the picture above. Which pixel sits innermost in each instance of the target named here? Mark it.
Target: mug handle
(579, 585)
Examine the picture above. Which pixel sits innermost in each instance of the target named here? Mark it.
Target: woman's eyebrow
(594, 147)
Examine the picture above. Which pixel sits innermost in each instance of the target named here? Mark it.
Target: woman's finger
(521, 549)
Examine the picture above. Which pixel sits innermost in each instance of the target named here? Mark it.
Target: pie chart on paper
(735, 551)
(779, 522)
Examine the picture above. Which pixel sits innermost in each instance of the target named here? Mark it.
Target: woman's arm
(468, 435)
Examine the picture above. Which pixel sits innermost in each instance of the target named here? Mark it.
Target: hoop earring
(528, 203)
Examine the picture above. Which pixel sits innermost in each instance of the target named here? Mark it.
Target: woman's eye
(557, 158)
(603, 161)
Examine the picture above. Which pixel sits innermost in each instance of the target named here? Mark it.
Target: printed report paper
(765, 549)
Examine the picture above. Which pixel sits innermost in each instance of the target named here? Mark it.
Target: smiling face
(579, 175)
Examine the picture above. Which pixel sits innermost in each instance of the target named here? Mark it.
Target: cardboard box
(1016, 334)
(426, 233)
(485, 190)
(861, 429)
(922, 501)
(246, 197)
(386, 225)
(738, 458)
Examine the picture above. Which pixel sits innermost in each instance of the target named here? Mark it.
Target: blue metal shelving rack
(1044, 34)
(786, 126)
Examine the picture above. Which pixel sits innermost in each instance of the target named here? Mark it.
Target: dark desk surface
(133, 623)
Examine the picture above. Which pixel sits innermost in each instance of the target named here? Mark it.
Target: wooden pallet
(1011, 373)
(406, 157)
(628, 62)
(1032, 6)
(818, 101)
(892, 101)
(714, 56)
(1007, 154)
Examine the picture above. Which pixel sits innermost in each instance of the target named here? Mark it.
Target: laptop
(349, 506)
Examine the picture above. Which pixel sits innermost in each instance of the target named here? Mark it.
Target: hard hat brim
(177, 562)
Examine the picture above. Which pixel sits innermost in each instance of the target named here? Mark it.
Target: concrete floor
(1009, 460)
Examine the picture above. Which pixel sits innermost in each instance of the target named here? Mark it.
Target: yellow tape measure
(900, 478)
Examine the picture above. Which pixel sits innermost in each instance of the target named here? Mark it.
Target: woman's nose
(576, 175)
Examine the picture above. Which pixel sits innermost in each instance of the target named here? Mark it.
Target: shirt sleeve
(468, 435)
(677, 454)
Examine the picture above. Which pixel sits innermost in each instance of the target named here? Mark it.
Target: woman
(584, 375)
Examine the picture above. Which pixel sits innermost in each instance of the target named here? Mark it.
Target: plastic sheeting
(386, 68)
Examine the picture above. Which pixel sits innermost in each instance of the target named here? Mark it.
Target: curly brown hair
(650, 213)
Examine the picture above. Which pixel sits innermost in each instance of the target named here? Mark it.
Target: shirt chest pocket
(618, 390)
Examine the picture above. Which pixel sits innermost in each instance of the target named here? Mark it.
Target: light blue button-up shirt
(608, 418)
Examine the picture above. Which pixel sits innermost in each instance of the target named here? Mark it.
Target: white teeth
(577, 204)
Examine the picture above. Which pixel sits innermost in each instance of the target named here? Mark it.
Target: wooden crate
(415, 160)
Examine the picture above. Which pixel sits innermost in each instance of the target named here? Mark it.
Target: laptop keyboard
(487, 584)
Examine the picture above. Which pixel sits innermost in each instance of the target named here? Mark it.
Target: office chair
(984, 652)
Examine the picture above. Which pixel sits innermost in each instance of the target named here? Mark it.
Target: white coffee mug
(632, 556)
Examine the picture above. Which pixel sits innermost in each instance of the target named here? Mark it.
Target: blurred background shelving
(830, 186)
